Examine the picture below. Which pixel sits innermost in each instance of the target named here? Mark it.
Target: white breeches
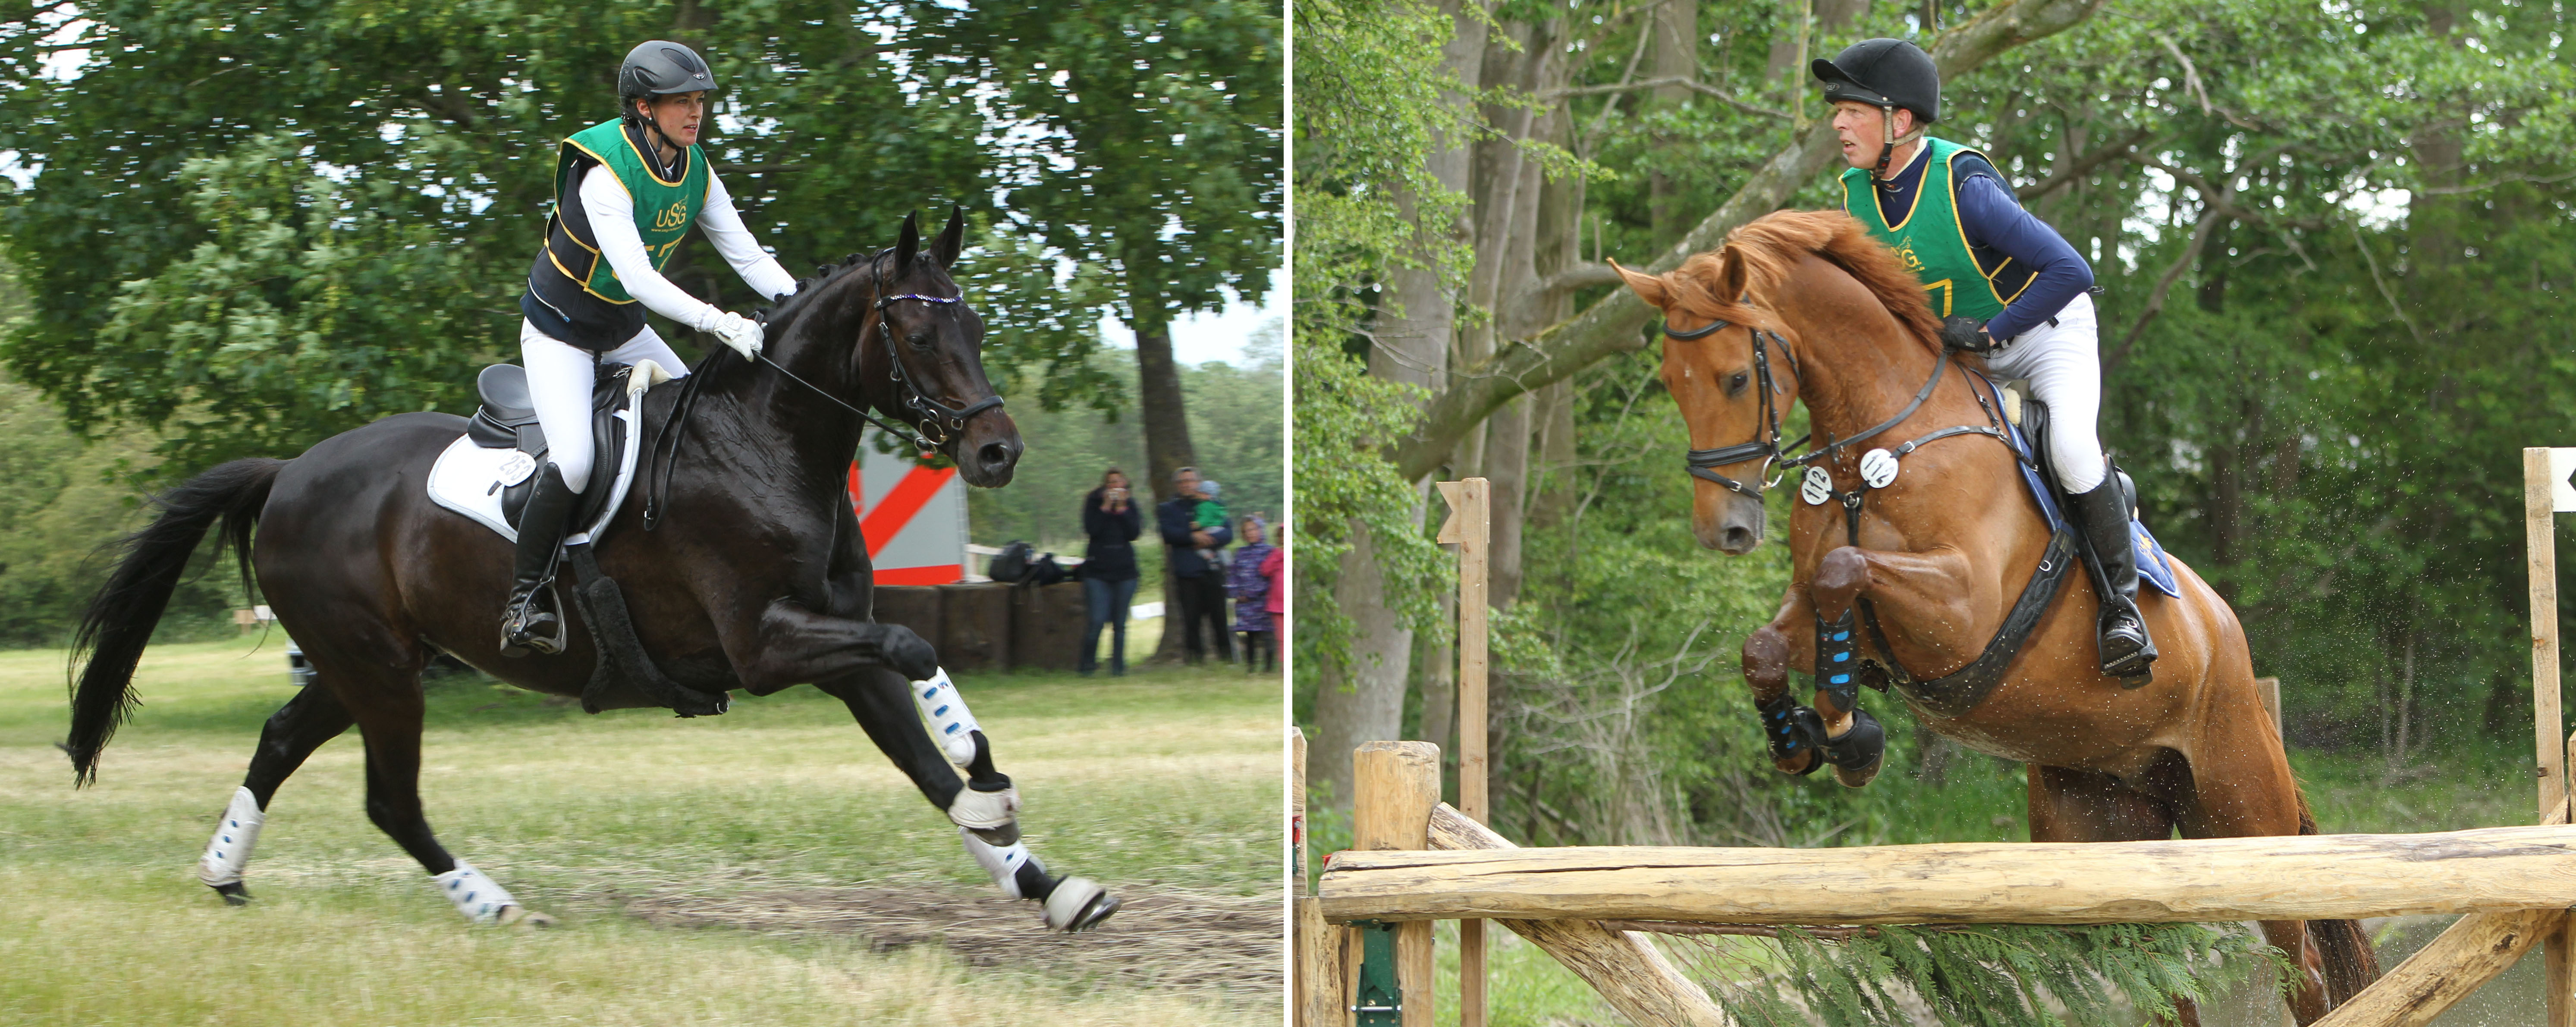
(2063, 363)
(560, 376)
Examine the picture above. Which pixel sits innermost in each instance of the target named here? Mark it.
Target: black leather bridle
(1768, 447)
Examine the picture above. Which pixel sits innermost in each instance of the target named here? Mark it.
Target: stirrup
(2134, 667)
(530, 628)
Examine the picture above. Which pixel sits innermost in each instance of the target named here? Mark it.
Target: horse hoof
(234, 894)
(1801, 765)
(1078, 904)
(522, 916)
(1855, 778)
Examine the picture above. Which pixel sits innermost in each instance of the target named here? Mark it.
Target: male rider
(626, 193)
(2004, 284)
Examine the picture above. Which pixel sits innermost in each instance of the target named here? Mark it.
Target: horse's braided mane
(1765, 252)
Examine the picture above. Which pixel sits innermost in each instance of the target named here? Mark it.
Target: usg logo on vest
(675, 217)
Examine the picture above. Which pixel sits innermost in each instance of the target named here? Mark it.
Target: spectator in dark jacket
(1198, 584)
(1112, 520)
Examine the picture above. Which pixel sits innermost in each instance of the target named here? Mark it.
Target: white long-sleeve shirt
(612, 223)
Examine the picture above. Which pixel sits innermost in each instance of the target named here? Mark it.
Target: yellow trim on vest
(686, 161)
(1923, 150)
(584, 280)
(1952, 175)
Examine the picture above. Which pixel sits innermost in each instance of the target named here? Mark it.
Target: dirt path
(1226, 943)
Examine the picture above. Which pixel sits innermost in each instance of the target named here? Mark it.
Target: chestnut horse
(757, 578)
(1943, 552)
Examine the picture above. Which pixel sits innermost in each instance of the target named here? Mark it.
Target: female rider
(2004, 284)
(626, 192)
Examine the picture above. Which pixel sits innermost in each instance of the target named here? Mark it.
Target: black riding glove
(1965, 333)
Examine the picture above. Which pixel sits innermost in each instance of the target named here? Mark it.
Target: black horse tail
(2351, 963)
(120, 618)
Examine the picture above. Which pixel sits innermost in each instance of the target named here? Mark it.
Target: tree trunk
(1411, 345)
(1675, 55)
(1167, 435)
(1366, 702)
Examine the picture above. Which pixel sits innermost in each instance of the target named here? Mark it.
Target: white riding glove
(739, 332)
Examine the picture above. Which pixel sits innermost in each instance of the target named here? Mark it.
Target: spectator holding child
(1112, 520)
(1196, 553)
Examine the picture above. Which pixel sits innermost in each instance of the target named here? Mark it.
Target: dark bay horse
(1944, 551)
(755, 577)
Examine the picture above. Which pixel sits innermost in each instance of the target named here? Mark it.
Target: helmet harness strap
(1887, 144)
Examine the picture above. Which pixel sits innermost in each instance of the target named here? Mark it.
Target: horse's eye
(1735, 385)
(919, 340)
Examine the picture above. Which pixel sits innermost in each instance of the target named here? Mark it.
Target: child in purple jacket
(1250, 590)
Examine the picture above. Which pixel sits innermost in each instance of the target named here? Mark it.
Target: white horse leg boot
(992, 810)
(483, 900)
(1069, 904)
(229, 851)
(952, 725)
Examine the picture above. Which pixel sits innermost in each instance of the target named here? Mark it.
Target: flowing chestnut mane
(1759, 256)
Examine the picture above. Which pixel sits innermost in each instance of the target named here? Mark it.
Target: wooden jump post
(1470, 528)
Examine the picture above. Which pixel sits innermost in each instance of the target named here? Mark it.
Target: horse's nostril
(994, 454)
(1738, 538)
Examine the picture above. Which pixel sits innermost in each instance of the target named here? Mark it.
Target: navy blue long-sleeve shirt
(1173, 518)
(1998, 231)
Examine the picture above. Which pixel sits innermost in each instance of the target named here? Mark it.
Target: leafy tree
(253, 226)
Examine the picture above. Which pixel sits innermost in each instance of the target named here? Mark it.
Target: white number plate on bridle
(1816, 487)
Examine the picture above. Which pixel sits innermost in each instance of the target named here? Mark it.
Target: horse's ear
(1650, 288)
(1733, 272)
(952, 239)
(908, 244)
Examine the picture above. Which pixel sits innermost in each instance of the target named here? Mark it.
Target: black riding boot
(2103, 516)
(530, 623)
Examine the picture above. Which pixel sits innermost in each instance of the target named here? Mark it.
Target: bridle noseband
(939, 421)
(1774, 454)
(1767, 447)
(935, 416)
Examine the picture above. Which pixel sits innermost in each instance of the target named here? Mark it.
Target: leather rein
(939, 422)
(1702, 462)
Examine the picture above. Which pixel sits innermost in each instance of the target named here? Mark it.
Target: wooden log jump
(2300, 877)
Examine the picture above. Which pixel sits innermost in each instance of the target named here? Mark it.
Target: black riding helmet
(657, 68)
(1886, 74)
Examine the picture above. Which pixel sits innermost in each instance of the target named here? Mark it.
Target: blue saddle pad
(2154, 567)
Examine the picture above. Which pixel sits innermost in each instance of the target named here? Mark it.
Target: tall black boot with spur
(2103, 517)
(530, 623)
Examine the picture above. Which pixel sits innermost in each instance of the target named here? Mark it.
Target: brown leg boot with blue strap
(530, 623)
(2103, 517)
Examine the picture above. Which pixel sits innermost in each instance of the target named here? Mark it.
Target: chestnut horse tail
(2351, 963)
(120, 618)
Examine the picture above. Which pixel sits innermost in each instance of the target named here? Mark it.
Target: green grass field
(767, 866)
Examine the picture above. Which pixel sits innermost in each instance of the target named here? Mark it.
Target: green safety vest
(1929, 238)
(664, 209)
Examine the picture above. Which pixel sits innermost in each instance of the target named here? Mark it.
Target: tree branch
(2079, 167)
(2210, 214)
(1670, 80)
(1581, 275)
(1614, 325)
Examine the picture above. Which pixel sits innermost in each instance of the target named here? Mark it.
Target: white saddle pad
(469, 479)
